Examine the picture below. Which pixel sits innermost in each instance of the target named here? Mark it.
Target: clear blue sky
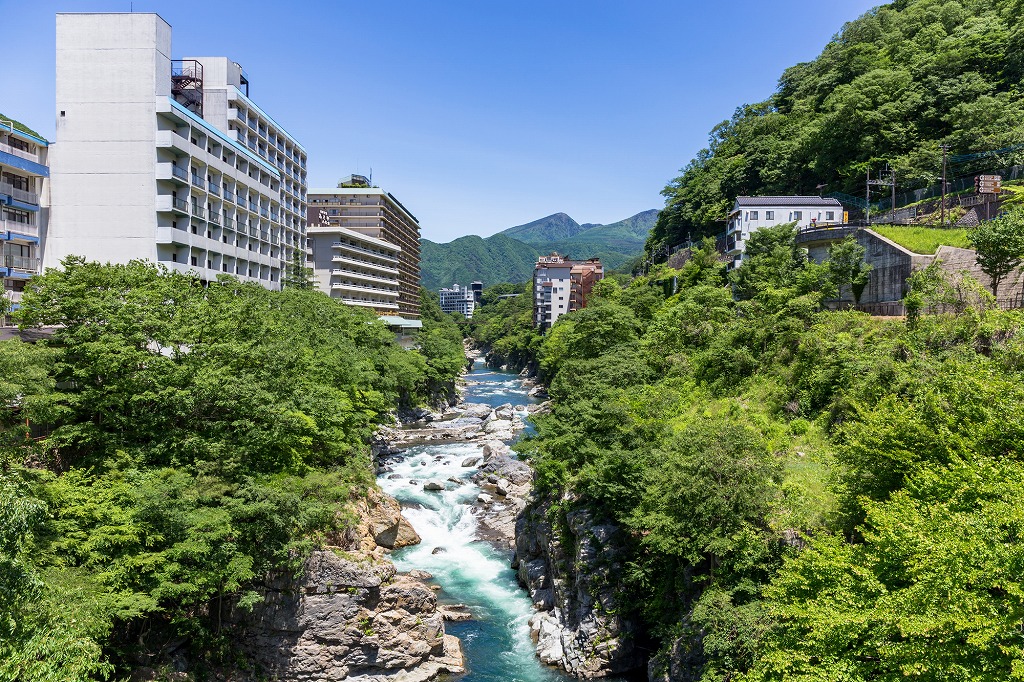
(478, 115)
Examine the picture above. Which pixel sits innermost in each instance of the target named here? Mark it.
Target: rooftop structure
(375, 213)
(23, 178)
(168, 160)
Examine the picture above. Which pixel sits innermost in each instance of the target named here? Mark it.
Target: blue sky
(477, 115)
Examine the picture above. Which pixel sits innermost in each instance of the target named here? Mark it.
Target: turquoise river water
(496, 643)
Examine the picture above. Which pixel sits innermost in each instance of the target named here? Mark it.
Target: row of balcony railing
(370, 252)
(28, 156)
(27, 229)
(345, 272)
(363, 287)
(19, 194)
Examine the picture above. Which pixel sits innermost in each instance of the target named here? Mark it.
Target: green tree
(297, 273)
(999, 244)
(846, 267)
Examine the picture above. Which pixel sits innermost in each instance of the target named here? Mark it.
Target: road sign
(988, 184)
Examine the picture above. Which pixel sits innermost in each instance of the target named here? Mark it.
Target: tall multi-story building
(353, 267)
(373, 212)
(478, 292)
(167, 160)
(560, 286)
(23, 172)
(459, 300)
(750, 214)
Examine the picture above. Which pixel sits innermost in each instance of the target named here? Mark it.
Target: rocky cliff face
(571, 573)
(349, 615)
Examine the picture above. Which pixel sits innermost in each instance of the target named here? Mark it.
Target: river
(496, 642)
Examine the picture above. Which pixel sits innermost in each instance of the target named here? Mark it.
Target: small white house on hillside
(750, 214)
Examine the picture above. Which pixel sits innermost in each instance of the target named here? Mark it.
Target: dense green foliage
(188, 440)
(999, 244)
(503, 327)
(510, 255)
(893, 84)
(805, 494)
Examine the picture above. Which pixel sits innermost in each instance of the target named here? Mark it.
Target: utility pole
(867, 197)
(892, 179)
(945, 148)
(891, 182)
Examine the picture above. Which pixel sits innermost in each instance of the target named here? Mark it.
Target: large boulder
(382, 521)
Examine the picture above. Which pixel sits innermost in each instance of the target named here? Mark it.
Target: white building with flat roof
(461, 300)
(167, 160)
(750, 214)
(23, 176)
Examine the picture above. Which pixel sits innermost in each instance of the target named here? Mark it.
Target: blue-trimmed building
(167, 160)
(24, 176)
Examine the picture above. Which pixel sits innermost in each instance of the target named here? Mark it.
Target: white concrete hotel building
(167, 160)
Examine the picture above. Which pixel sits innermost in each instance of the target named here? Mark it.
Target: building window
(830, 215)
(195, 261)
(753, 215)
(798, 215)
(769, 215)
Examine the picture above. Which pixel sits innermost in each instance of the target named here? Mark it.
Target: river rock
(381, 520)
(483, 498)
(420, 574)
(458, 423)
(477, 410)
(499, 428)
(502, 487)
(505, 411)
(439, 550)
(539, 392)
(455, 612)
(433, 485)
(470, 461)
(394, 477)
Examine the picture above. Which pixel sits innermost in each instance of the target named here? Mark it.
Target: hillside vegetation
(926, 240)
(509, 256)
(188, 440)
(803, 494)
(893, 84)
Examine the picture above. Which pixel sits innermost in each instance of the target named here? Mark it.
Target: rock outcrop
(348, 615)
(571, 573)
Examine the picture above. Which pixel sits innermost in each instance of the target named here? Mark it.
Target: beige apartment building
(352, 215)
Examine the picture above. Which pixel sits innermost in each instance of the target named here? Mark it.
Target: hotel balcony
(352, 248)
(171, 171)
(165, 203)
(383, 305)
(28, 156)
(364, 264)
(17, 228)
(169, 139)
(355, 274)
(19, 194)
(359, 288)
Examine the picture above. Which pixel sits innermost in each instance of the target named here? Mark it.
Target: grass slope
(924, 240)
(20, 126)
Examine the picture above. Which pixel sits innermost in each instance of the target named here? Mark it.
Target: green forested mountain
(509, 256)
(890, 88)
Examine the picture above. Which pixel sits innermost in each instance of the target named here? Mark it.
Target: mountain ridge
(509, 255)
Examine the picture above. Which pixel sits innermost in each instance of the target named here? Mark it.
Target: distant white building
(750, 214)
(561, 286)
(461, 300)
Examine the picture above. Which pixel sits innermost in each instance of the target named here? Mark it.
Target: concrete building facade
(154, 161)
(355, 268)
(750, 214)
(459, 300)
(560, 286)
(374, 212)
(23, 183)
